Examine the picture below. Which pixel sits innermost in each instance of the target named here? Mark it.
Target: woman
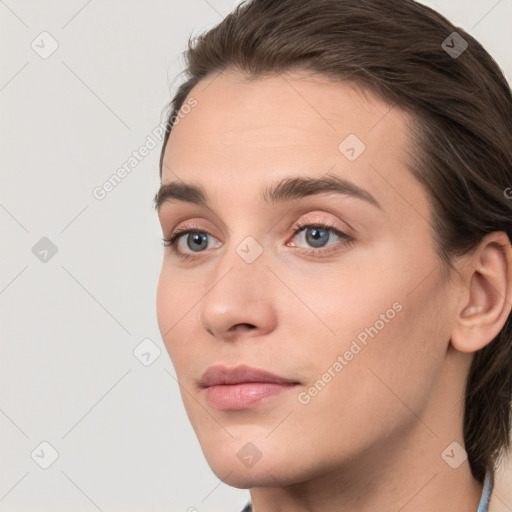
(336, 289)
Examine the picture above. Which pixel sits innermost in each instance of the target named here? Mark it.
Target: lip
(219, 375)
(241, 387)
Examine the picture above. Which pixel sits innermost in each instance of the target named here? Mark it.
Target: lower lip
(234, 397)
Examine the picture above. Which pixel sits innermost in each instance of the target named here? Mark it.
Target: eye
(195, 240)
(318, 235)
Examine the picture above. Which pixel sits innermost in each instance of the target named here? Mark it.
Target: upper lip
(218, 375)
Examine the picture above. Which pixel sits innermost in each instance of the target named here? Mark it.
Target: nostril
(244, 327)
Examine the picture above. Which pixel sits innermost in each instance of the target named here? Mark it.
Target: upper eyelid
(297, 227)
(303, 218)
(315, 202)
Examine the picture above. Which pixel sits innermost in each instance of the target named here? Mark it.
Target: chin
(241, 464)
(248, 478)
(245, 479)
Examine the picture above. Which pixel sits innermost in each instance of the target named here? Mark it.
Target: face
(333, 289)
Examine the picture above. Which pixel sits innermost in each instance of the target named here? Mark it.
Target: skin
(372, 438)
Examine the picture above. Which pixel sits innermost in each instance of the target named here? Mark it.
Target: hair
(461, 133)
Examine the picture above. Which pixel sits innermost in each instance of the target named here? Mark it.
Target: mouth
(242, 387)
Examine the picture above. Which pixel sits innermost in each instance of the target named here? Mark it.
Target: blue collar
(483, 506)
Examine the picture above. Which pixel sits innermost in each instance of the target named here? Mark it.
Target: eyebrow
(290, 188)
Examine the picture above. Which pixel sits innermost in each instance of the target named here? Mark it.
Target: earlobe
(488, 294)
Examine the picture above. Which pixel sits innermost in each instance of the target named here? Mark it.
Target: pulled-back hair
(461, 108)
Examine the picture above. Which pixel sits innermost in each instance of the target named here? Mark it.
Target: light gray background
(70, 325)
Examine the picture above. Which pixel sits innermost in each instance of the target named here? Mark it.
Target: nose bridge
(242, 267)
(244, 245)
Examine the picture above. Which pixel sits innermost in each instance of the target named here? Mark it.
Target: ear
(487, 296)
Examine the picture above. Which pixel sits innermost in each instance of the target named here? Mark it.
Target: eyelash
(173, 240)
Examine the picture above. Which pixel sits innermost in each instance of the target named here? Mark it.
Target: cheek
(178, 301)
(399, 353)
(165, 305)
(177, 296)
(389, 327)
(175, 302)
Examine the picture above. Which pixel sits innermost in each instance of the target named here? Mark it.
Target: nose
(240, 301)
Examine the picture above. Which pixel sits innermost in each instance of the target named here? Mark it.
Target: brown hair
(461, 107)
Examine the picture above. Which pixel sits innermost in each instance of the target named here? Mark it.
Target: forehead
(251, 132)
(247, 108)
